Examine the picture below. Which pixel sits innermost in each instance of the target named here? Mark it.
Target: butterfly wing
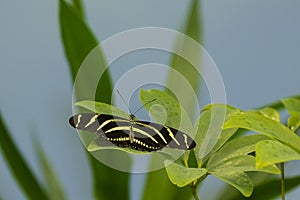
(114, 129)
(166, 136)
(100, 124)
(148, 136)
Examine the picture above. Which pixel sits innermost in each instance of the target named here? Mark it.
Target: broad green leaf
(208, 129)
(157, 184)
(238, 179)
(18, 166)
(270, 113)
(294, 122)
(236, 147)
(102, 108)
(166, 110)
(272, 152)
(223, 138)
(268, 189)
(55, 190)
(181, 175)
(229, 109)
(293, 107)
(261, 124)
(238, 165)
(244, 163)
(78, 42)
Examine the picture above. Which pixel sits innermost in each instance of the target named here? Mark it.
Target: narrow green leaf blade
(79, 6)
(106, 178)
(55, 190)
(193, 28)
(261, 124)
(158, 185)
(21, 171)
(78, 41)
(77, 38)
(272, 152)
(181, 175)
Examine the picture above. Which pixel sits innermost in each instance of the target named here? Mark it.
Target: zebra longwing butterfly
(129, 133)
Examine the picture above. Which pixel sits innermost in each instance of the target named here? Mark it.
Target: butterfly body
(129, 133)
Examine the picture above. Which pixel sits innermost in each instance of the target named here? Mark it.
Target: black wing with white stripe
(146, 136)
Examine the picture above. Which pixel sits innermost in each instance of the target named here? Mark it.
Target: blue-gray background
(255, 44)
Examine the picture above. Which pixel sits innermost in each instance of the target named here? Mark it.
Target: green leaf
(238, 179)
(193, 28)
(78, 39)
(293, 107)
(102, 108)
(294, 122)
(106, 178)
(21, 171)
(272, 152)
(236, 147)
(156, 184)
(79, 7)
(181, 175)
(268, 189)
(223, 138)
(208, 128)
(245, 163)
(261, 124)
(166, 110)
(55, 190)
(270, 113)
(78, 42)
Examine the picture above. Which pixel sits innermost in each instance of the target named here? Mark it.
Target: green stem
(194, 192)
(282, 181)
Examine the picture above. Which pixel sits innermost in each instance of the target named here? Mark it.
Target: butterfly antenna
(124, 101)
(144, 105)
